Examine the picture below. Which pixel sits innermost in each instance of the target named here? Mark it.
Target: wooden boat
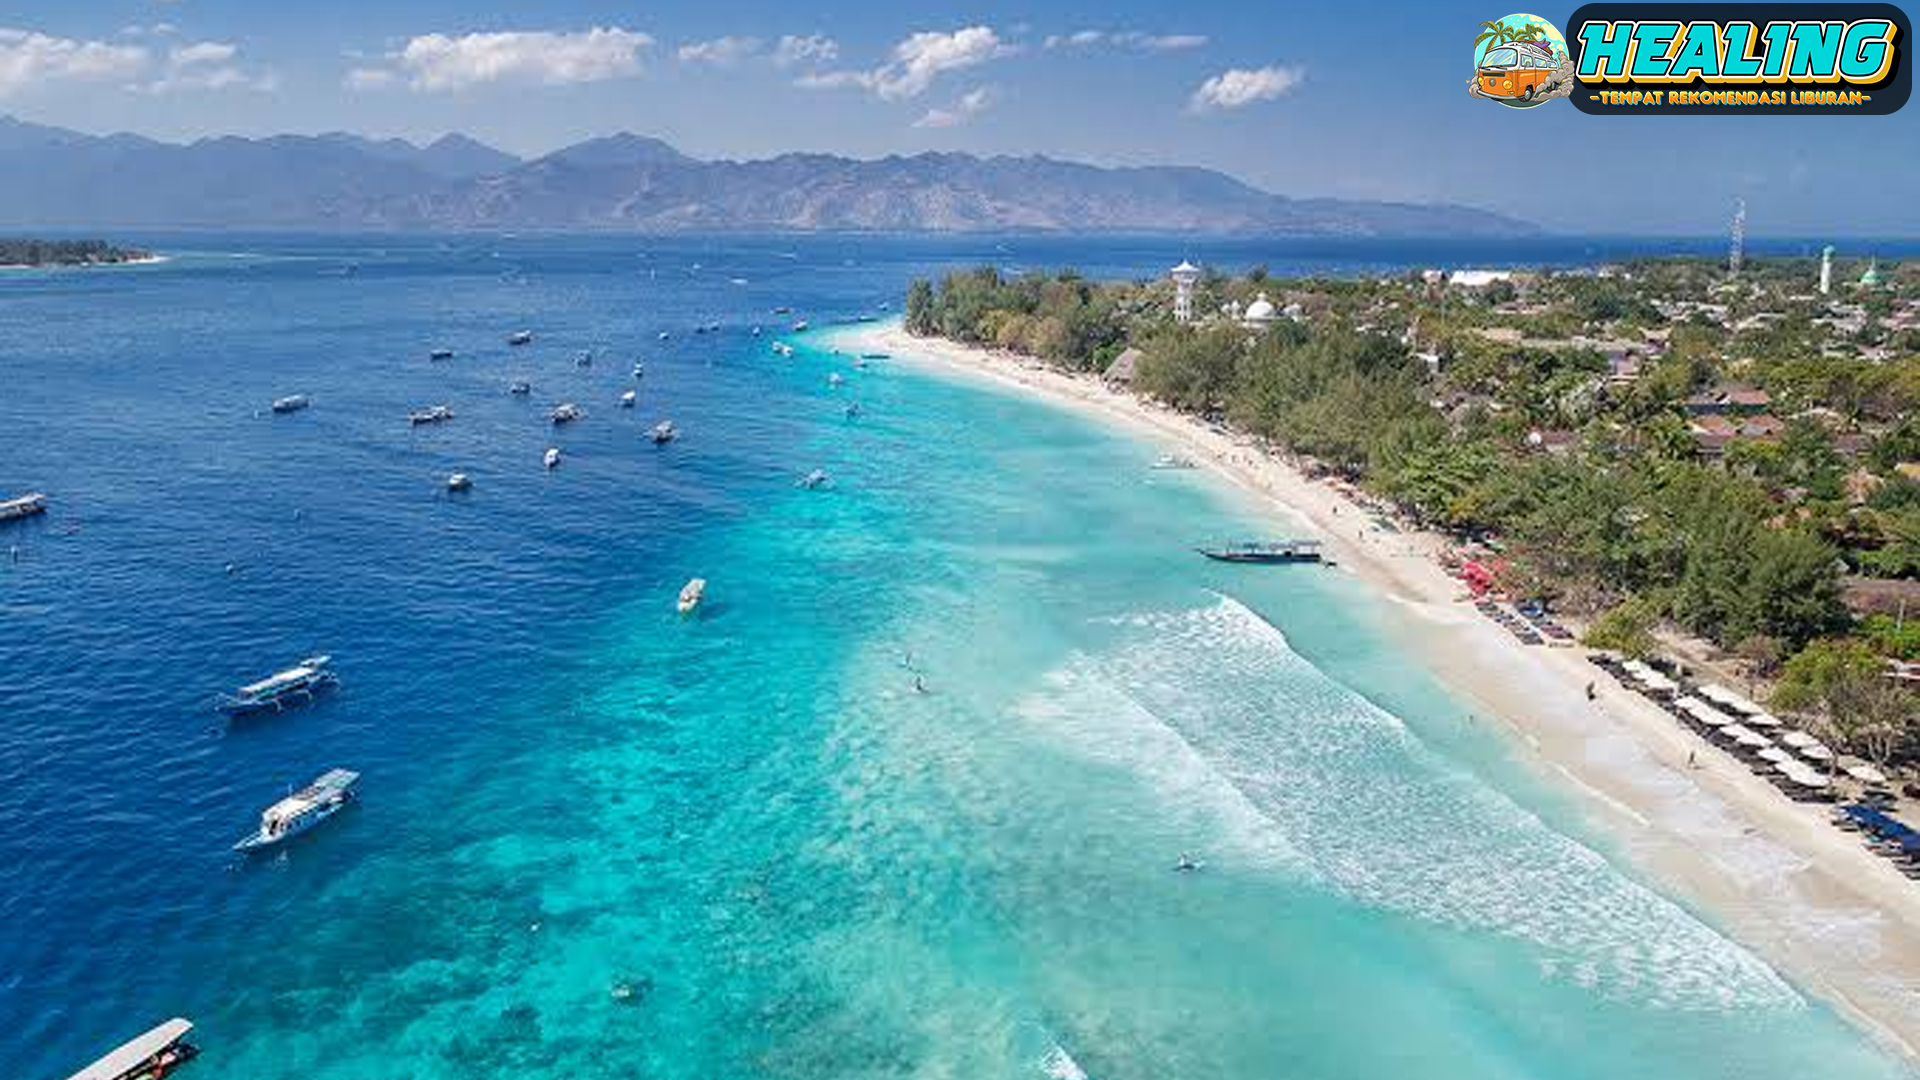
(663, 433)
(459, 482)
(1284, 551)
(326, 796)
(691, 595)
(1175, 461)
(23, 507)
(434, 414)
(150, 1056)
(628, 399)
(552, 458)
(520, 387)
(441, 354)
(281, 690)
(813, 480)
(520, 337)
(290, 403)
(566, 413)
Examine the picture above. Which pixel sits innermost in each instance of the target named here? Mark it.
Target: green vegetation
(1654, 444)
(26, 252)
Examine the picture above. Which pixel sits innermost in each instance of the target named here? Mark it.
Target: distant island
(23, 252)
(56, 178)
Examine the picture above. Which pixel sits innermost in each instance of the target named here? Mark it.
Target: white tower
(1737, 249)
(1826, 270)
(1185, 277)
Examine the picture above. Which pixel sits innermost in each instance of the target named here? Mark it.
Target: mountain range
(56, 178)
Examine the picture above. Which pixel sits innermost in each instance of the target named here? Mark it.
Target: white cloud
(159, 29)
(917, 61)
(208, 65)
(30, 59)
(1239, 87)
(1126, 39)
(970, 105)
(810, 49)
(721, 51)
(369, 78)
(441, 62)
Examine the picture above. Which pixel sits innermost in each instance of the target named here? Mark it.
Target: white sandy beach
(1772, 873)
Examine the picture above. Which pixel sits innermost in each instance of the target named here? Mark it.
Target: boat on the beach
(326, 796)
(520, 386)
(663, 432)
(433, 414)
(1280, 551)
(459, 481)
(281, 690)
(150, 1056)
(566, 413)
(290, 403)
(691, 594)
(815, 479)
(627, 399)
(1175, 461)
(520, 337)
(552, 458)
(447, 354)
(25, 506)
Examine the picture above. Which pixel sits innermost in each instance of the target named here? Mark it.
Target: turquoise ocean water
(800, 865)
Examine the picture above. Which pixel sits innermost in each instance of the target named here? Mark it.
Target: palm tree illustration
(1498, 33)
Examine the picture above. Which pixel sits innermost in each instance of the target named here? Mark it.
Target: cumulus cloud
(442, 62)
(369, 78)
(1125, 39)
(721, 51)
(971, 104)
(208, 65)
(808, 49)
(918, 60)
(29, 59)
(1239, 87)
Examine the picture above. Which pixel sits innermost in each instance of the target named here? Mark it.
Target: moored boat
(627, 399)
(442, 354)
(800, 327)
(781, 348)
(566, 413)
(552, 458)
(664, 432)
(520, 337)
(815, 479)
(290, 403)
(326, 796)
(691, 594)
(1175, 461)
(149, 1056)
(433, 414)
(459, 481)
(521, 387)
(296, 685)
(25, 506)
(1283, 551)
(835, 379)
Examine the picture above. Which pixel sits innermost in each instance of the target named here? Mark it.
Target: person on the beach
(1590, 692)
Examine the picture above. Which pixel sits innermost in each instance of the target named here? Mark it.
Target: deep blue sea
(800, 865)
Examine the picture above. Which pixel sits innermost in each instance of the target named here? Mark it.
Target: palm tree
(1501, 34)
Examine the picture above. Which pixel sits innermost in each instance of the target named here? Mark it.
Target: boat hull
(292, 698)
(261, 840)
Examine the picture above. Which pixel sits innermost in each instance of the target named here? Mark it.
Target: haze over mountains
(55, 178)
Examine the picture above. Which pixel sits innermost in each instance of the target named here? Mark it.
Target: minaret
(1826, 270)
(1185, 277)
(1737, 251)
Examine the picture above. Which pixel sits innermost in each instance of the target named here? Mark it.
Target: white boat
(553, 457)
(1175, 461)
(755, 331)
(638, 371)
(836, 379)
(664, 432)
(781, 348)
(566, 413)
(691, 594)
(296, 685)
(520, 386)
(520, 337)
(25, 506)
(664, 335)
(627, 399)
(459, 481)
(800, 327)
(815, 479)
(326, 796)
(151, 1056)
(447, 354)
(434, 414)
(290, 403)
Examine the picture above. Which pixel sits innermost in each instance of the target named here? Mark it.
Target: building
(1826, 270)
(1260, 314)
(1185, 277)
(1478, 279)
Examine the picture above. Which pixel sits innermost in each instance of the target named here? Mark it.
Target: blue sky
(1361, 99)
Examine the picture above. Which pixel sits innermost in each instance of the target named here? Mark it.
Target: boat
(150, 1056)
(815, 479)
(852, 409)
(25, 506)
(459, 481)
(585, 359)
(781, 348)
(435, 414)
(520, 386)
(520, 337)
(290, 403)
(783, 311)
(691, 594)
(755, 331)
(664, 336)
(836, 379)
(553, 457)
(663, 433)
(800, 326)
(876, 356)
(566, 413)
(1175, 461)
(447, 354)
(296, 685)
(1283, 551)
(627, 399)
(639, 370)
(326, 796)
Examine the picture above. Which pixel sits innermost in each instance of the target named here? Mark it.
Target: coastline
(144, 260)
(1773, 874)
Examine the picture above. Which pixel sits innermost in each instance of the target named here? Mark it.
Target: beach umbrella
(1866, 774)
(1750, 738)
(1767, 720)
(1775, 755)
(1816, 752)
(1798, 739)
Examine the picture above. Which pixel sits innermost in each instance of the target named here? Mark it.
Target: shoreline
(1772, 874)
